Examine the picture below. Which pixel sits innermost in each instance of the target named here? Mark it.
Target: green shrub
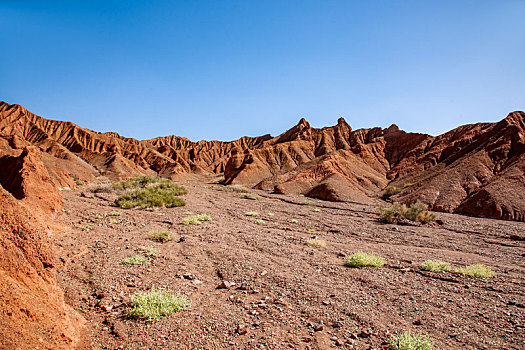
(196, 220)
(271, 214)
(477, 270)
(251, 213)
(98, 216)
(162, 237)
(150, 197)
(232, 188)
(397, 212)
(407, 341)
(154, 304)
(135, 260)
(293, 221)
(115, 213)
(150, 251)
(317, 210)
(391, 191)
(113, 221)
(360, 259)
(259, 221)
(435, 265)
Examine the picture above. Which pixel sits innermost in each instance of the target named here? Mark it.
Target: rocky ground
(288, 294)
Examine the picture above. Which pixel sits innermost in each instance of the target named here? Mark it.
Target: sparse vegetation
(250, 196)
(251, 213)
(135, 260)
(316, 210)
(361, 259)
(396, 213)
(391, 191)
(149, 192)
(162, 236)
(113, 221)
(271, 214)
(435, 265)
(476, 270)
(154, 304)
(316, 242)
(233, 188)
(101, 188)
(196, 220)
(293, 221)
(259, 221)
(311, 230)
(150, 251)
(307, 202)
(99, 216)
(407, 341)
(115, 213)
(151, 197)
(86, 227)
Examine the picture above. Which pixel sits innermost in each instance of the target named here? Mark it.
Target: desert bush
(271, 214)
(396, 212)
(391, 191)
(316, 210)
(307, 202)
(134, 260)
(150, 251)
(86, 227)
(115, 213)
(113, 221)
(154, 304)
(476, 270)
(98, 216)
(407, 341)
(162, 237)
(196, 220)
(101, 188)
(259, 221)
(251, 213)
(435, 265)
(293, 221)
(316, 242)
(360, 259)
(151, 197)
(232, 188)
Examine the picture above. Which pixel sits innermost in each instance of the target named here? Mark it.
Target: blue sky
(224, 69)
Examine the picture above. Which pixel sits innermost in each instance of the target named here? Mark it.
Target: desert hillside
(474, 169)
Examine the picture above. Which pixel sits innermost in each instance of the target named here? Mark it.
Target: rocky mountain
(474, 169)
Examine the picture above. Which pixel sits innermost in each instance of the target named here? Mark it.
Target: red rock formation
(33, 314)
(466, 170)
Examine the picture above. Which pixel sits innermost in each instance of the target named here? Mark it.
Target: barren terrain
(288, 294)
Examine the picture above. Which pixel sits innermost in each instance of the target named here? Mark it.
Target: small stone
(264, 273)
(226, 285)
(338, 324)
(326, 302)
(341, 255)
(318, 326)
(417, 323)
(363, 334)
(189, 276)
(241, 329)
(182, 239)
(339, 343)
(395, 228)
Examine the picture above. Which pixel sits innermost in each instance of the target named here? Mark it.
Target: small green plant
(476, 270)
(154, 304)
(79, 183)
(251, 213)
(134, 260)
(307, 202)
(115, 213)
(250, 196)
(391, 191)
(113, 221)
(311, 230)
(407, 341)
(188, 213)
(196, 220)
(293, 221)
(435, 265)
(271, 214)
(150, 251)
(232, 188)
(162, 237)
(259, 221)
(99, 216)
(316, 242)
(86, 227)
(397, 212)
(361, 259)
(301, 195)
(317, 210)
(220, 175)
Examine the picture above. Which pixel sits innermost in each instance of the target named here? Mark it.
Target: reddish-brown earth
(474, 169)
(291, 288)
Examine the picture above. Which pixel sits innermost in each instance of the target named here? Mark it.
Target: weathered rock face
(467, 170)
(33, 313)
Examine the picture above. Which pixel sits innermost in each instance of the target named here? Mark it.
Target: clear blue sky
(224, 69)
